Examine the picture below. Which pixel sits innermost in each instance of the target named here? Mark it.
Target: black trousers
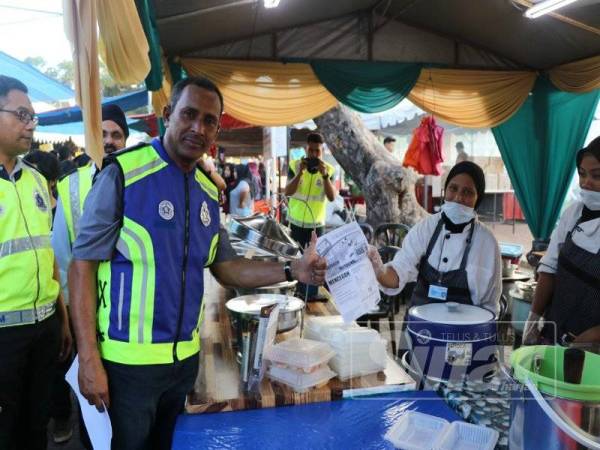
(146, 400)
(28, 359)
(302, 236)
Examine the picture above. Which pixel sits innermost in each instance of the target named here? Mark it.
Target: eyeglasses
(23, 115)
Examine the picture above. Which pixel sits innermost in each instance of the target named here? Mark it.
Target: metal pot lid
(265, 233)
(451, 313)
(252, 304)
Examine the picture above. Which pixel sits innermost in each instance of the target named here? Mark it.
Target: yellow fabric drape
(123, 45)
(472, 98)
(162, 97)
(80, 27)
(265, 93)
(579, 76)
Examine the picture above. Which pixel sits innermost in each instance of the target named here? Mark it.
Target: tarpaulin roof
(127, 102)
(459, 33)
(41, 87)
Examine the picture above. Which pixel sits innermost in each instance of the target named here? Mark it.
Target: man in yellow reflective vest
(148, 230)
(34, 330)
(73, 189)
(309, 188)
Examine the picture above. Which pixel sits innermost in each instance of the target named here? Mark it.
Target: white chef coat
(484, 264)
(585, 236)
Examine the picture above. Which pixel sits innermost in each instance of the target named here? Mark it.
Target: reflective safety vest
(307, 207)
(150, 292)
(72, 192)
(27, 284)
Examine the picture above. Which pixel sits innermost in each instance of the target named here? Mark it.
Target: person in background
(229, 177)
(47, 164)
(64, 153)
(451, 255)
(256, 180)
(461, 154)
(262, 171)
(310, 187)
(208, 166)
(389, 143)
(82, 160)
(566, 304)
(242, 195)
(34, 323)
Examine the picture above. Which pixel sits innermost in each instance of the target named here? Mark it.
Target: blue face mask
(457, 212)
(591, 199)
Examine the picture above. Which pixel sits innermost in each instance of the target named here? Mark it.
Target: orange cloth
(424, 153)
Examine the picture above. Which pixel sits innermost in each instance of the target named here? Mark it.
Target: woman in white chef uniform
(568, 290)
(451, 255)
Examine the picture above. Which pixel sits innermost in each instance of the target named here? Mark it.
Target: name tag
(437, 292)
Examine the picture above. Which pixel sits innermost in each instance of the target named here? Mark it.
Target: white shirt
(586, 236)
(484, 264)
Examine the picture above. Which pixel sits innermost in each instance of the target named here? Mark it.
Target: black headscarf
(475, 172)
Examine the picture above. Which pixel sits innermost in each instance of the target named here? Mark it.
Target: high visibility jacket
(150, 292)
(72, 192)
(26, 256)
(307, 207)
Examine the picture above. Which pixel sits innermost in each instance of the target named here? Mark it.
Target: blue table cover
(357, 423)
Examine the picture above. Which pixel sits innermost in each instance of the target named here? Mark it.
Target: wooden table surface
(218, 389)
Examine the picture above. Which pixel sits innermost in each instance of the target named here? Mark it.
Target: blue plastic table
(346, 424)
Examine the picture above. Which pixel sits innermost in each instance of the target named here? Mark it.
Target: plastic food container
(466, 436)
(304, 354)
(416, 431)
(300, 381)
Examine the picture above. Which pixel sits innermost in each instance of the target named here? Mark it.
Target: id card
(438, 292)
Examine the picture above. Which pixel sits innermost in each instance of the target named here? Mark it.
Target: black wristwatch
(287, 267)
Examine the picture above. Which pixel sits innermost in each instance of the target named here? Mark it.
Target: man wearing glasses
(34, 329)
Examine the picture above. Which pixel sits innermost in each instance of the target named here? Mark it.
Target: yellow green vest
(26, 256)
(149, 307)
(310, 194)
(72, 192)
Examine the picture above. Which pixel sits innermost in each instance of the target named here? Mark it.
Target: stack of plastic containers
(300, 363)
(358, 351)
(418, 431)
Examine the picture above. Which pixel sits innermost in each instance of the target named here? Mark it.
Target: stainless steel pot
(247, 307)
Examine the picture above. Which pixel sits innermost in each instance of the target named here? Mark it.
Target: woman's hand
(376, 261)
(532, 330)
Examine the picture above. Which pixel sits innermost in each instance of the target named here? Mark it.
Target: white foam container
(304, 354)
(416, 431)
(300, 381)
(466, 436)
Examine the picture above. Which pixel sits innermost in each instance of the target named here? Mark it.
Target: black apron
(575, 305)
(454, 280)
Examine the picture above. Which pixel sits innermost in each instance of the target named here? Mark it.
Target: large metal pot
(546, 411)
(247, 307)
(450, 341)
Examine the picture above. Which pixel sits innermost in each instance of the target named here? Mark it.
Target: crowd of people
(111, 261)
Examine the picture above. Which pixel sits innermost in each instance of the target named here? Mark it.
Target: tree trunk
(388, 187)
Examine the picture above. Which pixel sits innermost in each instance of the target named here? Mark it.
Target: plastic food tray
(416, 431)
(304, 354)
(509, 250)
(298, 380)
(466, 436)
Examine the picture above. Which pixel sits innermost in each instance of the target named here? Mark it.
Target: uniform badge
(205, 214)
(39, 202)
(166, 210)
(319, 182)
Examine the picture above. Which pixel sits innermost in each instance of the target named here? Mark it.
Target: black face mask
(312, 164)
